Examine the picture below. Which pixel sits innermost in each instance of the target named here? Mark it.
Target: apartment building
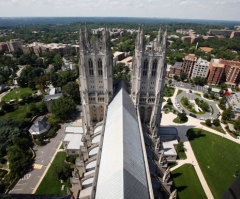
(200, 68)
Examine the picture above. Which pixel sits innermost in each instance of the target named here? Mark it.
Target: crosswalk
(37, 166)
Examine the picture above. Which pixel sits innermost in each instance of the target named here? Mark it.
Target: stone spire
(159, 36)
(106, 39)
(81, 40)
(139, 45)
(87, 41)
(164, 42)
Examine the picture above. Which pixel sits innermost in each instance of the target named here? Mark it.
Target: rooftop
(74, 140)
(169, 147)
(122, 172)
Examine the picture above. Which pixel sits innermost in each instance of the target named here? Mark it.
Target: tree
(169, 81)
(201, 81)
(183, 117)
(208, 122)
(183, 76)
(226, 115)
(216, 122)
(209, 90)
(19, 159)
(63, 107)
(121, 71)
(57, 62)
(71, 89)
(223, 86)
(180, 147)
(205, 95)
(176, 77)
(169, 101)
(63, 171)
(10, 128)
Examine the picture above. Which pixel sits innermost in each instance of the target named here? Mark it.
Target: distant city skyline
(184, 9)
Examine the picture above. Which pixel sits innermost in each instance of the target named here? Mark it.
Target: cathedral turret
(81, 40)
(106, 39)
(139, 45)
(87, 41)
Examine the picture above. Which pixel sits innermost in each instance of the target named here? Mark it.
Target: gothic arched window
(100, 72)
(90, 65)
(154, 68)
(145, 68)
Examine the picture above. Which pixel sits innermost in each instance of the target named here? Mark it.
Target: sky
(183, 9)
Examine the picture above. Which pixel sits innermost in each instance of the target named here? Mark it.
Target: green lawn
(198, 94)
(50, 183)
(19, 113)
(218, 158)
(187, 183)
(179, 92)
(192, 110)
(16, 93)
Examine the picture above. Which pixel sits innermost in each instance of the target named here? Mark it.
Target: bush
(180, 147)
(208, 122)
(63, 171)
(169, 101)
(216, 122)
(205, 95)
(63, 107)
(71, 158)
(183, 117)
(52, 132)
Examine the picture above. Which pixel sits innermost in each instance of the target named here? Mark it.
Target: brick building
(232, 71)
(188, 64)
(215, 72)
(224, 71)
(175, 69)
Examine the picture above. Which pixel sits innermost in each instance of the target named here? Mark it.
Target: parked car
(202, 118)
(192, 115)
(190, 91)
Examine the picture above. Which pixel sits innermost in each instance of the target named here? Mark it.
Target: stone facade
(95, 68)
(148, 76)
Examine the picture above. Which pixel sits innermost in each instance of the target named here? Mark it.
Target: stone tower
(96, 83)
(148, 76)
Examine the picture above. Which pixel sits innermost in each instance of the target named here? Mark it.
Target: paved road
(44, 155)
(188, 86)
(192, 96)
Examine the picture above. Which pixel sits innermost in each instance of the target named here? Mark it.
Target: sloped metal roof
(122, 172)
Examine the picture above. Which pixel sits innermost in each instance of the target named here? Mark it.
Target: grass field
(19, 113)
(187, 183)
(179, 92)
(50, 183)
(218, 158)
(16, 93)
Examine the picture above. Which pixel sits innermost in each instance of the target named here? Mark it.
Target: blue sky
(188, 9)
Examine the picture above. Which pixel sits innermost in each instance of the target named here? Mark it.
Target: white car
(202, 118)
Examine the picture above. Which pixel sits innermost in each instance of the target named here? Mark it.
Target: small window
(90, 65)
(100, 73)
(145, 68)
(154, 68)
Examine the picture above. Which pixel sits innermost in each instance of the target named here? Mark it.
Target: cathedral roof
(122, 171)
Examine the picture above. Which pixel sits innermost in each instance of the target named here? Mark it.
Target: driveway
(192, 96)
(44, 155)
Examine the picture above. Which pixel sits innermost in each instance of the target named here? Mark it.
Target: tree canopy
(63, 107)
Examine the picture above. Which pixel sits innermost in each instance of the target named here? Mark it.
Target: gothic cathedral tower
(95, 68)
(148, 76)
